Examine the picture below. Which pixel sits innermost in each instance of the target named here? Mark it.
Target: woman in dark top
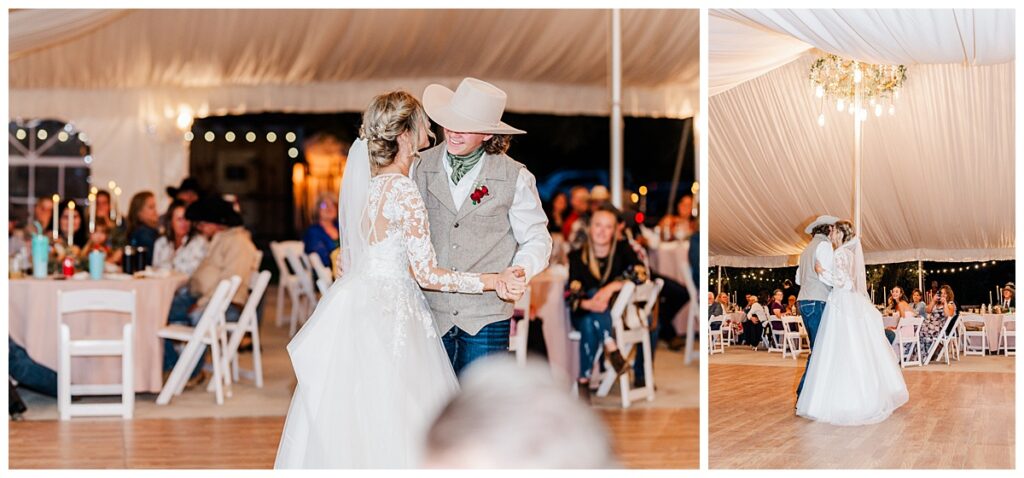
(81, 230)
(142, 225)
(322, 236)
(557, 212)
(597, 273)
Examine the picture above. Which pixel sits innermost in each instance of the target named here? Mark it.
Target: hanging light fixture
(846, 81)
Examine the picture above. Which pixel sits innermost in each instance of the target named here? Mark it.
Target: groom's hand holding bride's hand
(511, 284)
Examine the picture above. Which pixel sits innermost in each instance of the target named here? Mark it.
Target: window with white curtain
(46, 157)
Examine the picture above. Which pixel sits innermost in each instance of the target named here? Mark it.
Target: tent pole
(920, 275)
(857, 135)
(616, 114)
(719, 282)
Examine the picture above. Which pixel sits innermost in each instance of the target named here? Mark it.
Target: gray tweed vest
(475, 238)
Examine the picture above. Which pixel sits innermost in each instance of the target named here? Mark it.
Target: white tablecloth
(547, 298)
(32, 314)
(993, 326)
(671, 259)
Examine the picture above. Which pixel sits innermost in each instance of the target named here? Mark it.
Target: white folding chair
(288, 282)
(206, 332)
(617, 310)
(941, 339)
(908, 332)
(975, 341)
(95, 300)
(953, 340)
(1008, 332)
(307, 300)
(517, 341)
(777, 328)
(632, 329)
(792, 336)
(247, 324)
(324, 277)
(716, 339)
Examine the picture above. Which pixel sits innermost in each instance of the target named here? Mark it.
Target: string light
(209, 136)
(230, 136)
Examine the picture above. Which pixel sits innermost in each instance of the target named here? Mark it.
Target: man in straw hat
(485, 214)
(1008, 292)
(814, 286)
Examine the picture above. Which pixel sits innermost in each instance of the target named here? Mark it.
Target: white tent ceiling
(125, 76)
(938, 179)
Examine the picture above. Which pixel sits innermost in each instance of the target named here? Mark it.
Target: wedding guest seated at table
(142, 225)
(321, 237)
(574, 226)
(939, 309)
(76, 226)
(1007, 301)
(677, 226)
(918, 305)
(791, 308)
(597, 273)
(103, 205)
(188, 192)
(557, 212)
(775, 306)
(896, 304)
(231, 252)
(98, 241)
(17, 238)
(716, 308)
(180, 248)
(29, 373)
(42, 213)
(753, 327)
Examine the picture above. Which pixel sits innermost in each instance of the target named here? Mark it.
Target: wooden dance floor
(644, 438)
(953, 420)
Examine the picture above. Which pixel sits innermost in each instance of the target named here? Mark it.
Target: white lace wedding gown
(854, 378)
(372, 372)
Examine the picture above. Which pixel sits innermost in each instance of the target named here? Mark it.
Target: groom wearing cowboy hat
(485, 214)
(814, 286)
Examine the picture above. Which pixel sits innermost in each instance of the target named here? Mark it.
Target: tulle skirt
(854, 377)
(372, 375)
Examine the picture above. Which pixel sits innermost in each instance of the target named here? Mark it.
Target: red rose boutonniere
(479, 193)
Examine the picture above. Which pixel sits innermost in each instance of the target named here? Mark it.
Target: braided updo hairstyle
(846, 228)
(388, 116)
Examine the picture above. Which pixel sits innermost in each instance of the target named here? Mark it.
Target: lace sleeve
(422, 259)
(843, 275)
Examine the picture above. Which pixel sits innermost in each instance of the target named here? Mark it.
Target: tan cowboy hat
(474, 107)
(824, 219)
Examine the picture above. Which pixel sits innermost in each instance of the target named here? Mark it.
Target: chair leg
(218, 364)
(128, 374)
(257, 355)
(648, 366)
(64, 374)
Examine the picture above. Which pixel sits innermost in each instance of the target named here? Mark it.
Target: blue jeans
(29, 373)
(594, 327)
(464, 348)
(811, 311)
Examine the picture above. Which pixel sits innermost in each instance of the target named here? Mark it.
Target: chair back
(215, 309)
(322, 272)
(791, 324)
(299, 262)
(257, 286)
(280, 252)
(715, 323)
(619, 307)
(909, 328)
(96, 300)
(1009, 322)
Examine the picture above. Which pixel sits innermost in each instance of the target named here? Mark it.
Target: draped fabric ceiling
(125, 76)
(938, 177)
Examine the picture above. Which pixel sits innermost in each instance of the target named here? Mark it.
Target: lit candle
(990, 297)
(111, 185)
(56, 219)
(71, 225)
(92, 213)
(117, 205)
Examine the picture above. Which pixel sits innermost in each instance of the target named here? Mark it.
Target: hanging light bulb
(872, 102)
(850, 108)
(858, 75)
(896, 93)
(821, 119)
(839, 105)
(878, 110)
(892, 110)
(819, 91)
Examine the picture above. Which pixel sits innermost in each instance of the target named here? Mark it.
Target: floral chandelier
(856, 86)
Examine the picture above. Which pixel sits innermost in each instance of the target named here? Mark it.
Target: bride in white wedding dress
(371, 369)
(854, 378)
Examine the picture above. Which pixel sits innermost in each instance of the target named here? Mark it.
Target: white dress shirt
(825, 257)
(529, 222)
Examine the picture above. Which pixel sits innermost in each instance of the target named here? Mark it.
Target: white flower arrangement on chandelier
(855, 86)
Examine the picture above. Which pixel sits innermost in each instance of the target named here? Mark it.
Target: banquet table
(547, 299)
(993, 326)
(32, 319)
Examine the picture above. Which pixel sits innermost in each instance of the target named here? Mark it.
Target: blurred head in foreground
(507, 416)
